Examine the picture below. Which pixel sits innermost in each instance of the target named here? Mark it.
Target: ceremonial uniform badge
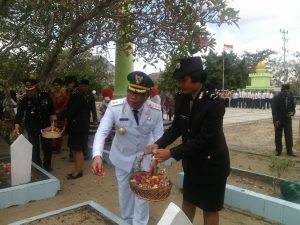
(122, 130)
(138, 79)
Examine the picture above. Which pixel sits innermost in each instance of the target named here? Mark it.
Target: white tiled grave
(22, 189)
(174, 216)
(20, 156)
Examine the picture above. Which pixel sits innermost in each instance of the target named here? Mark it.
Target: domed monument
(260, 80)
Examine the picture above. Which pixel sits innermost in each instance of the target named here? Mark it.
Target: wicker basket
(51, 132)
(153, 194)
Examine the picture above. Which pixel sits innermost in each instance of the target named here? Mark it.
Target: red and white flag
(227, 47)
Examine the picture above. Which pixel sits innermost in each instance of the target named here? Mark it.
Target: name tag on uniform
(123, 119)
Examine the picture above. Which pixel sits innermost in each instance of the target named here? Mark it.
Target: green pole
(124, 65)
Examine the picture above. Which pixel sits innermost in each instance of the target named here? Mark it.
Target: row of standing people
(247, 99)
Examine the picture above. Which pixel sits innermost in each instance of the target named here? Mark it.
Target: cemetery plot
(262, 205)
(264, 184)
(42, 185)
(83, 215)
(5, 174)
(87, 213)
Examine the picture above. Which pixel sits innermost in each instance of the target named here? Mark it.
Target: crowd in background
(247, 99)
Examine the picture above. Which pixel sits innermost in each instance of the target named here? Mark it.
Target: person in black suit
(283, 108)
(198, 119)
(78, 121)
(37, 109)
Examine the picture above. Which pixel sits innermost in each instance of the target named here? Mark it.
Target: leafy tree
(235, 70)
(252, 59)
(42, 30)
(96, 69)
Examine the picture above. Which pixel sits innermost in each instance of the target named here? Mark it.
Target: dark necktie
(135, 114)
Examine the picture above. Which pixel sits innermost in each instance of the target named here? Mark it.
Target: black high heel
(72, 177)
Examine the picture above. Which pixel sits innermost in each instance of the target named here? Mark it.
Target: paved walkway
(233, 115)
(237, 115)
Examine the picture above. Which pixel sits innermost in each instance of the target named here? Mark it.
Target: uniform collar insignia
(201, 95)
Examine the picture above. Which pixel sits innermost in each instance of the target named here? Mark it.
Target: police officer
(283, 108)
(138, 123)
(37, 108)
(199, 120)
(92, 101)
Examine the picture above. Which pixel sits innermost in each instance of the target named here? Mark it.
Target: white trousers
(134, 210)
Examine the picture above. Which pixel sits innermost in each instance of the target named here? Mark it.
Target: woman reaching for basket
(138, 123)
(199, 120)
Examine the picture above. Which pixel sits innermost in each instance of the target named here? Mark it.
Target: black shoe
(277, 154)
(72, 177)
(292, 154)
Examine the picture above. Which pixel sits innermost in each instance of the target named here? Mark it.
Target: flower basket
(150, 187)
(51, 132)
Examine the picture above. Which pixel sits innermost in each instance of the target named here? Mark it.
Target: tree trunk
(298, 137)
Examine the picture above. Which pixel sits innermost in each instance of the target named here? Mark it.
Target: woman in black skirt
(199, 113)
(78, 120)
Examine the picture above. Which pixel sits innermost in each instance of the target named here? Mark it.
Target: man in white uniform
(138, 123)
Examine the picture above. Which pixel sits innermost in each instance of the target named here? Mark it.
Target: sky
(259, 28)
(260, 24)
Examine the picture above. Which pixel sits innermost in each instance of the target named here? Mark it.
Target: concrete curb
(270, 208)
(99, 208)
(21, 194)
(258, 176)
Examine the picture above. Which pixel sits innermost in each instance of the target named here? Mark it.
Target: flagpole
(223, 77)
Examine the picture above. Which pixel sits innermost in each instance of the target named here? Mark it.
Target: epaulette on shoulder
(179, 93)
(117, 102)
(214, 96)
(154, 105)
(209, 94)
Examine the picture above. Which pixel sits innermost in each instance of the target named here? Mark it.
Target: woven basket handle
(138, 165)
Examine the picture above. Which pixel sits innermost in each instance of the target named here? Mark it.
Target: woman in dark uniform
(78, 120)
(199, 120)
